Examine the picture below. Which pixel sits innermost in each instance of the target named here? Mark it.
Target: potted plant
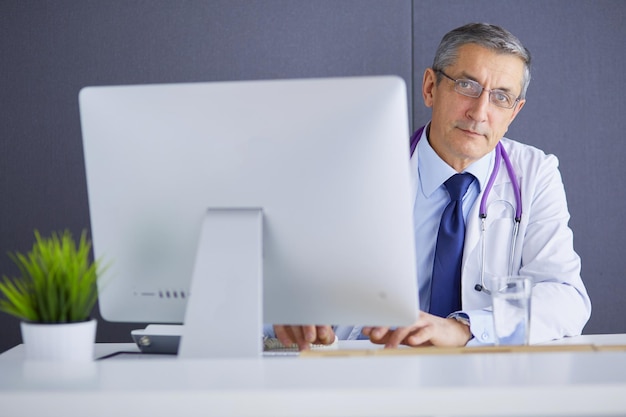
(54, 297)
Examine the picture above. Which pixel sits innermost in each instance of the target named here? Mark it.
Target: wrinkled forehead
(491, 68)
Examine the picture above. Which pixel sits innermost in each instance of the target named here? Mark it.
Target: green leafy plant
(57, 282)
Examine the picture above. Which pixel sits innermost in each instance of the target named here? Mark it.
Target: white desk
(505, 384)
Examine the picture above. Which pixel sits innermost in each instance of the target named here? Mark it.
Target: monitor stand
(224, 316)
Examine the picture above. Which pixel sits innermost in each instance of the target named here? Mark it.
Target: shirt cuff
(268, 331)
(481, 326)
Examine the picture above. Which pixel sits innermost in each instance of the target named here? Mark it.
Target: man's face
(464, 129)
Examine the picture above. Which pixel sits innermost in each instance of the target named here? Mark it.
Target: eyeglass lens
(471, 88)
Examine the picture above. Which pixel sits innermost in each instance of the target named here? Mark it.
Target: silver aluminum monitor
(325, 161)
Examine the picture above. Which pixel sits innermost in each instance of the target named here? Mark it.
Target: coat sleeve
(560, 304)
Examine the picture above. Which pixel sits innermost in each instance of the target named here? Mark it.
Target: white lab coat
(560, 305)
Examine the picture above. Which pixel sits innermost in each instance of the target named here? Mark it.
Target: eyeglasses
(473, 89)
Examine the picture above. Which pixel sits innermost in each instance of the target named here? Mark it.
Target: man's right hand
(303, 336)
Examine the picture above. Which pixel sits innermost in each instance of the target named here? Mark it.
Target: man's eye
(465, 84)
(501, 97)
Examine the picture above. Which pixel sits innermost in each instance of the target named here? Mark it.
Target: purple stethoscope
(499, 157)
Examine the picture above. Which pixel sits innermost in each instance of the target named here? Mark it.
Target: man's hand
(304, 335)
(428, 330)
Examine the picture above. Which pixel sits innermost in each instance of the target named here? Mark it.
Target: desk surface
(477, 384)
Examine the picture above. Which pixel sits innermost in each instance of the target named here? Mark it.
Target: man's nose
(479, 107)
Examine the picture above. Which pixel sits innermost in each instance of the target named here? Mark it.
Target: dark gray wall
(51, 49)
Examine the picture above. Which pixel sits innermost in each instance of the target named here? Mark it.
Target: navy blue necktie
(445, 296)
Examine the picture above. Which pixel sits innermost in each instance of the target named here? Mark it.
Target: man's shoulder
(524, 154)
(514, 145)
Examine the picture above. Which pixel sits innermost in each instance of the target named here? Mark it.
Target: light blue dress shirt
(430, 200)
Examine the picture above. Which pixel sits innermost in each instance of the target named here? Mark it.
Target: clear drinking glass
(510, 296)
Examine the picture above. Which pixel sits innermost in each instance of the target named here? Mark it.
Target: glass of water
(510, 296)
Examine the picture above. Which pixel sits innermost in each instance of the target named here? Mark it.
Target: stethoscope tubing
(501, 155)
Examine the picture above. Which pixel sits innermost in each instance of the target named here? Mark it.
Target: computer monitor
(320, 165)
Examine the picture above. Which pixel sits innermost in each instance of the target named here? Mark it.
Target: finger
(299, 334)
(309, 333)
(379, 335)
(398, 336)
(284, 335)
(325, 335)
(418, 339)
(290, 335)
(424, 329)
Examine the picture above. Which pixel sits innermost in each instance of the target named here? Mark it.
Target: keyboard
(273, 347)
(165, 339)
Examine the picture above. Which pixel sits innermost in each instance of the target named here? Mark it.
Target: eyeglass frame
(475, 83)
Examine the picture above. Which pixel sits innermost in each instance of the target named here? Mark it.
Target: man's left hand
(428, 330)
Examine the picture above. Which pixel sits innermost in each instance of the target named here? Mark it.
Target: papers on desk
(431, 350)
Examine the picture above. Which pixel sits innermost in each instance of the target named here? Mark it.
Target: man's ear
(428, 85)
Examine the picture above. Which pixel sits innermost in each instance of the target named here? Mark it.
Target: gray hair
(488, 36)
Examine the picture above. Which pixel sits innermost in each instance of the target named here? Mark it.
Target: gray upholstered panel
(51, 49)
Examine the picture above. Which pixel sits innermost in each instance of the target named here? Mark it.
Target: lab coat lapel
(474, 224)
(413, 178)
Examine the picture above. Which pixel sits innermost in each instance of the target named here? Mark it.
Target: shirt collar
(434, 171)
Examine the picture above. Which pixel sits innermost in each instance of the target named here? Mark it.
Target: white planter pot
(59, 342)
